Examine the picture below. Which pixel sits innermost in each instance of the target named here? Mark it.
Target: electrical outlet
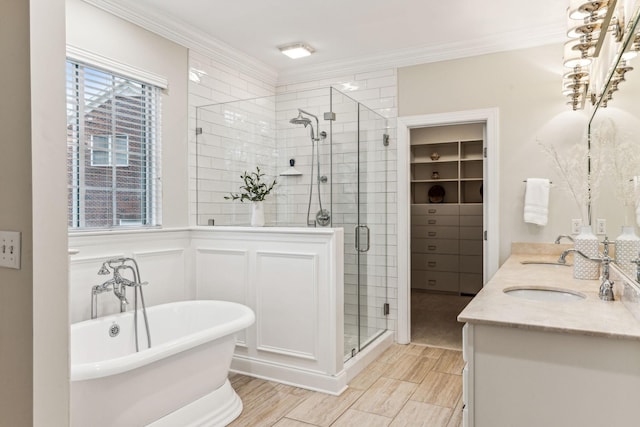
(576, 223)
(601, 226)
(10, 248)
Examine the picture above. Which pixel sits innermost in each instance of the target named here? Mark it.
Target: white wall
(33, 302)
(99, 32)
(525, 86)
(49, 195)
(16, 329)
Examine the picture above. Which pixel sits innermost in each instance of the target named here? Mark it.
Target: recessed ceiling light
(297, 50)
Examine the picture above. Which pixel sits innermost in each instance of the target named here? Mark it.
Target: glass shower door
(371, 231)
(359, 204)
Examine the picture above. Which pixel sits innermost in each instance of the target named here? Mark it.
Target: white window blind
(113, 149)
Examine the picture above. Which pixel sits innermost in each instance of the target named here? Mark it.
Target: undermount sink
(543, 293)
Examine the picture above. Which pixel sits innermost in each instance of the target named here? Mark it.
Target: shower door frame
(491, 204)
(361, 344)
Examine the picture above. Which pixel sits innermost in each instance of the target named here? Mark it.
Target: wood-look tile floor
(408, 385)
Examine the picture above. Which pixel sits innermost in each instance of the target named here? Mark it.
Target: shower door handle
(359, 228)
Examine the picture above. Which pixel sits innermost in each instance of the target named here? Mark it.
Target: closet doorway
(451, 248)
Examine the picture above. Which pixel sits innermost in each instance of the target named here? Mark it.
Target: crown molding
(183, 34)
(520, 39)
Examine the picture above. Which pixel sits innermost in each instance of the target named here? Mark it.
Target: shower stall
(328, 154)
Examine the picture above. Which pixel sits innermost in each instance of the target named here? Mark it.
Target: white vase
(627, 249)
(257, 214)
(587, 243)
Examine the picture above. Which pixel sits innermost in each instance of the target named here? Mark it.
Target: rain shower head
(306, 121)
(300, 120)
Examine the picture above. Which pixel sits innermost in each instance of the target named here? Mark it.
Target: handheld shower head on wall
(323, 217)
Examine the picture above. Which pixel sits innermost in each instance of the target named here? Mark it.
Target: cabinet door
(470, 283)
(471, 264)
(470, 247)
(471, 233)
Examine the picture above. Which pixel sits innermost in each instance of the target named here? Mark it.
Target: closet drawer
(435, 220)
(471, 220)
(470, 247)
(435, 231)
(431, 209)
(435, 281)
(433, 262)
(470, 283)
(471, 210)
(471, 264)
(434, 246)
(471, 233)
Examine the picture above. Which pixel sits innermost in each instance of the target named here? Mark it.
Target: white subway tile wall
(238, 135)
(378, 91)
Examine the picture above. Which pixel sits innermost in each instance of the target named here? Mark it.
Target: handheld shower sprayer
(104, 270)
(323, 217)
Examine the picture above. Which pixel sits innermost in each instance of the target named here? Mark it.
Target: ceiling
(348, 31)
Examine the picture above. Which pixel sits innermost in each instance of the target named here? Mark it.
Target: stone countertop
(589, 316)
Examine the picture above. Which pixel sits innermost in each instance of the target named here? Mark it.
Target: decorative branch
(621, 156)
(253, 189)
(574, 174)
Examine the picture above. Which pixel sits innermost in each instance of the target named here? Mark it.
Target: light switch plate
(10, 248)
(575, 226)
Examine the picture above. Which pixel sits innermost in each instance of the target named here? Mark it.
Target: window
(113, 149)
(103, 150)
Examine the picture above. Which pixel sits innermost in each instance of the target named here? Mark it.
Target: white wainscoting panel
(293, 280)
(162, 256)
(222, 274)
(164, 270)
(287, 289)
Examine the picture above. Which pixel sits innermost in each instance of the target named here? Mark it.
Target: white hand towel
(636, 193)
(536, 201)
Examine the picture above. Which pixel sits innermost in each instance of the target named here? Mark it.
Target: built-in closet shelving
(446, 232)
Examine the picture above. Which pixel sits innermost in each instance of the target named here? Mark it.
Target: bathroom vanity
(538, 359)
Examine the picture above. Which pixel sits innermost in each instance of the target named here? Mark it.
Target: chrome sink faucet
(562, 236)
(606, 286)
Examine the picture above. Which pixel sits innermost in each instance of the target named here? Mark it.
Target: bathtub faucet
(117, 283)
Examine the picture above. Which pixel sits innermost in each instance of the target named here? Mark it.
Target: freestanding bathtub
(180, 381)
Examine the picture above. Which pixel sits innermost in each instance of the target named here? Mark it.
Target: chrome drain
(114, 330)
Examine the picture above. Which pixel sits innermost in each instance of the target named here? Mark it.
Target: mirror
(614, 130)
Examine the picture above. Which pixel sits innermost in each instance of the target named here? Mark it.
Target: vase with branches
(580, 175)
(254, 189)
